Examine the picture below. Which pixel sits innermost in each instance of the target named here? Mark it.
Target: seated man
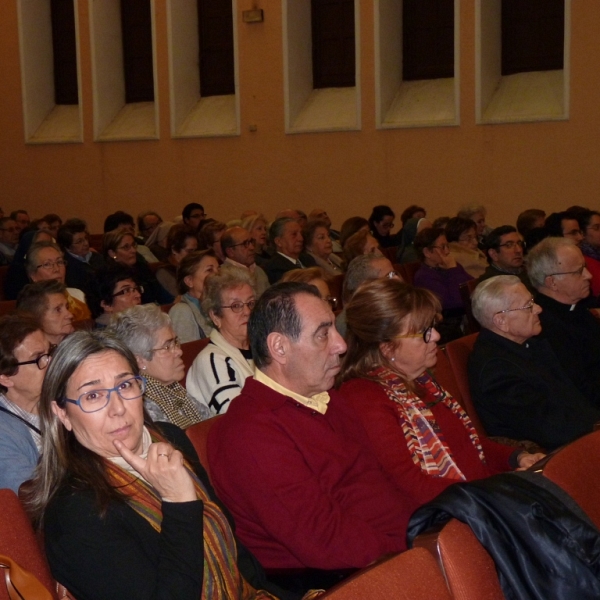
(504, 247)
(558, 271)
(23, 361)
(564, 224)
(9, 238)
(291, 461)
(517, 383)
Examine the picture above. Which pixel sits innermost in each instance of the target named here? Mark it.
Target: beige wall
(507, 167)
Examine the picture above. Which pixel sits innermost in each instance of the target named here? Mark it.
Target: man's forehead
(569, 255)
(508, 237)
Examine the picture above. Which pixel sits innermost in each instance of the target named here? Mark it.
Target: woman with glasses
(180, 242)
(119, 246)
(464, 247)
(117, 291)
(257, 227)
(24, 356)
(218, 373)
(126, 508)
(423, 438)
(148, 333)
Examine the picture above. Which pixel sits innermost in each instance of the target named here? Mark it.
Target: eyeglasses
(169, 346)
(467, 238)
(127, 291)
(578, 272)
(41, 361)
(83, 240)
(392, 275)
(51, 264)
(511, 245)
(9, 229)
(595, 227)
(440, 247)
(238, 307)
(529, 306)
(128, 247)
(425, 334)
(95, 400)
(246, 243)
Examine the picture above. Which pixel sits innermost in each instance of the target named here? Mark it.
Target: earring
(144, 368)
(393, 358)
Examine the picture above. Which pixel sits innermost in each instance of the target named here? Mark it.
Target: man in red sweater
(291, 460)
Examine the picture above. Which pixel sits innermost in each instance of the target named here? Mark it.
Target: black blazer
(278, 265)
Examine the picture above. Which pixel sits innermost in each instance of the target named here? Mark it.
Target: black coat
(278, 265)
(520, 391)
(543, 544)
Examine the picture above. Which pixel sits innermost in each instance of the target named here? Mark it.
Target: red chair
(190, 351)
(3, 274)
(408, 270)
(444, 375)
(466, 291)
(336, 284)
(96, 241)
(198, 435)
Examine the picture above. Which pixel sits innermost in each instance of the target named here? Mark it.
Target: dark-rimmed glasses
(126, 291)
(510, 245)
(425, 334)
(95, 400)
(528, 306)
(238, 307)
(41, 361)
(578, 272)
(246, 243)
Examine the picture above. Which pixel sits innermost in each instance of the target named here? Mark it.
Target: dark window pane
(333, 43)
(65, 52)
(428, 39)
(532, 35)
(215, 30)
(136, 23)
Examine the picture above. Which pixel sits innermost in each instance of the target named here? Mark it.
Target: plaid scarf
(424, 438)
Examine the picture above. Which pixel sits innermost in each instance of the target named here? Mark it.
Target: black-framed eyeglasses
(246, 243)
(50, 264)
(169, 346)
(41, 361)
(126, 291)
(529, 306)
(238, 307)
(95, 400)
(128, 247)
(425, 334)
(510, 245)
(578, 272)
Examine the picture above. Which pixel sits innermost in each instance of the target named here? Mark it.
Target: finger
(137, 462)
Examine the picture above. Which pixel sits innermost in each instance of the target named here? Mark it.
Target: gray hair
(359, 270)
(33, 253)
(277, 227)
(542, 259)
(490, 297)
(229, 277)
(137, 326)
(468, 210)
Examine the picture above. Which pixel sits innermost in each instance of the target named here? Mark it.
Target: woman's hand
(526, 460)
(164, 470)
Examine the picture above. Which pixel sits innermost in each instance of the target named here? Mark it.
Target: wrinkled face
(125, 295)
(382, 267)
(509, 254)
(571, 230)
(479, 219)
(314, 359)
(436, 254)
(243, 249)
(80, 245)
(57, 320)
(191, 245)
(126, 251)
(468, 239)
(384, 226)
(120, 420)
(233, 325)
(209, 265)
(166, 364)
(290, 242)
(150, 222)
(259, 233)
(592, 232)
(50, 265)
(571, 283)
(195, 217)
(521, 320)
(9, 233)
(321, 243)
(371, 246)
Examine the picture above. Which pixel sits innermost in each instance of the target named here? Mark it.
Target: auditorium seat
(190, 351)
(198, 435)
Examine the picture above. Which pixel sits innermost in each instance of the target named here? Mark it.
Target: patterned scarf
(222, 579)
(424, 438)
(174, 401)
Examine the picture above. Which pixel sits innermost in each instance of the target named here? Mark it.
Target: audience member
(209, 238)
(381, 223)
(256, 225)
(532, 218)
(320, 214)
(319, 245)
(477, 213)
(518, 385)
(193, 214)
(189, 322)
(313, 276)
(406, 252)
(54, 223)
(218, 373)
(589, 223)
(158, 240)
(124, 221)
(181, 241)
(412, 212)
(351, 226)
(21, 217)
(147, 222)
(9, 238)
(564, 224)
(361, 242)
(462, 239)
(117, 290)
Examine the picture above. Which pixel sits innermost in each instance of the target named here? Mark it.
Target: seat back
(190, 351)
(408, 270)
(7, 306)
(198, 435)
(576, 469)
(444, 375)
(18, 541)
(336, 284)
(412, 575)
(466, 291)
(458, 354)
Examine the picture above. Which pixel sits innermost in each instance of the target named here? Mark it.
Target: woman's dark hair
(408, 213)
(378, 213)
(456, 226)
(350, 227)
(188, 266)
(584, 218)
(426, 239)
(67, 232)
(108, 277)
(178, 236)
(33, 298)
(206, 235)
(310, 231)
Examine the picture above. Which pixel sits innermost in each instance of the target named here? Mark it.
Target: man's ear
(493, 254)
(500, 322)
(278, 345)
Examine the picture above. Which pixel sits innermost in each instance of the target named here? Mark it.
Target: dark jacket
(278, 265)
(544, 546)
(81, 275)
(520, 391)
(492, 271)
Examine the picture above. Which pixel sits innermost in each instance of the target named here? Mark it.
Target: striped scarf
(424, 438)
(222, 579)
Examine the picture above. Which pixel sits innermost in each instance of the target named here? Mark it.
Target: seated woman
(119, 246)
(157, 241)
(180, 242)
(462, 239)
(361, 242)
(256, 225)
(117, 290)
(313, 276)
(126, 508)
(423, 438)
(319, 245)
(218, 373)
(148, 333)
(189, 322)
(48, 302)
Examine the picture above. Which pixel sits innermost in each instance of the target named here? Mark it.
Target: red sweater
(379, 415)
(304, 488)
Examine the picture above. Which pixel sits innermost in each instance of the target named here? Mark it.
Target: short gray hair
(137, 326)
(359, 270)
(33, 252)
(277, 227)
(467, 211)
(228, 277)
(490, 297)
(542, 259)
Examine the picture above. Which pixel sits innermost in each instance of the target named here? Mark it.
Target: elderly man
(147, 223)
(504, 247)
(23, 360)
(290, 460)
(238, 248)
(558, 271)
(517, 383)
(286, 236)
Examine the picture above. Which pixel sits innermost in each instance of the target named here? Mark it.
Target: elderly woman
(209, 238)
(117, 291)
(362, 242)
(478, 214)
(148, 333)
(256, 225)
(462, 240)
(180, 242)
(189, 322)
(313, 276)
(319, 245)
(424, 440)
(218, 373)
(120, 247)
(126, 509)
